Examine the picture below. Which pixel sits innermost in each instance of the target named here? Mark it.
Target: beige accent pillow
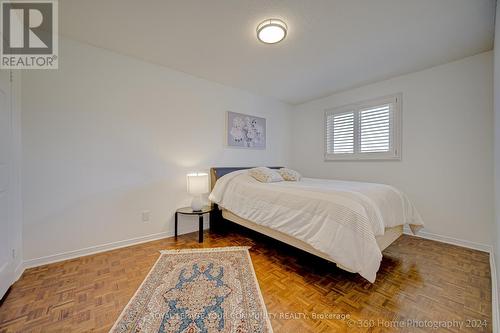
(265, 175)
(289, 174)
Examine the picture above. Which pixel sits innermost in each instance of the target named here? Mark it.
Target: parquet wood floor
(419, 280)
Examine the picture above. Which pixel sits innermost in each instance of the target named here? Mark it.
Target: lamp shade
(197, 183)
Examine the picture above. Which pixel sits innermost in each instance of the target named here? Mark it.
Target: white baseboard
(495, 315)
(93, 250)
(138, 240)
(19, 271)
(183, 229)
(12, 275)
(450, 240)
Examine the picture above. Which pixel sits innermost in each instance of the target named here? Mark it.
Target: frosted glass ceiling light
(271, 31)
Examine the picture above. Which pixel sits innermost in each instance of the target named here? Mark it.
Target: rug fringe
(206, 249)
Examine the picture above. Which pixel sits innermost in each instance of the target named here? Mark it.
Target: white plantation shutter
(375, 127)
(367, 130)
(340, 133)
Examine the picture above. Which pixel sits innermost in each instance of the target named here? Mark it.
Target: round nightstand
(190, 211)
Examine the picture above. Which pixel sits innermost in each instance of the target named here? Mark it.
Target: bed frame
(390, 235)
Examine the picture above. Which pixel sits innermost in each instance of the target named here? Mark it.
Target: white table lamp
(197, 184)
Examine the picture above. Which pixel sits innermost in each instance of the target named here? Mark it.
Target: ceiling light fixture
(271, 31)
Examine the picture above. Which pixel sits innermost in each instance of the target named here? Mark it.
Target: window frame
(395, 135)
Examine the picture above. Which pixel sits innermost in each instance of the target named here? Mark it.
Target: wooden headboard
(216, 173)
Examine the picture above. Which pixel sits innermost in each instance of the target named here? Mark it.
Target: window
(364, 131)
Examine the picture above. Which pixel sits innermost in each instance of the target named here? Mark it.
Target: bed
(348, 223)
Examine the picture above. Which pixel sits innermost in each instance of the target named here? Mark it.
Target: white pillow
(265, 175)
(289, 174)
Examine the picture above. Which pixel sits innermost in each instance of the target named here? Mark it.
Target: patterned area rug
(198, 290)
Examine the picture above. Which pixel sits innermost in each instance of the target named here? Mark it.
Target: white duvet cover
(339, 218)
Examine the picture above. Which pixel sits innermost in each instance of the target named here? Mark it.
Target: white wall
(447, 163)
(15, 218)
(17, 208)
(107, 136)
(496, 94)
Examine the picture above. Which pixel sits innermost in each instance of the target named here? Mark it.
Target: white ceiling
(331, 44)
